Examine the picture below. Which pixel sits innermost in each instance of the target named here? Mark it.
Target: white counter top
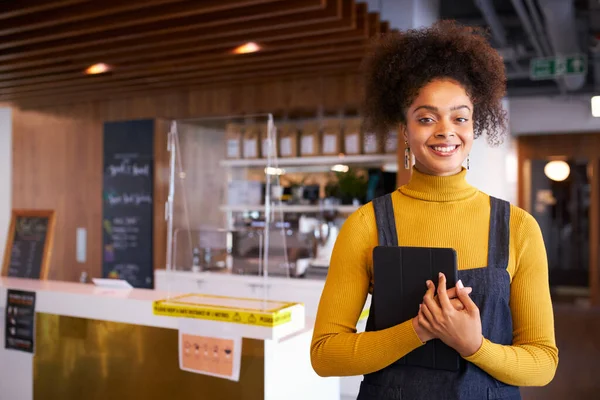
(133, 306)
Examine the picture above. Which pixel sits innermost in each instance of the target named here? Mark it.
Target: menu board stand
(29, 244)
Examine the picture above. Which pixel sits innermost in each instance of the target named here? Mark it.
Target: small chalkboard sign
(29, 244)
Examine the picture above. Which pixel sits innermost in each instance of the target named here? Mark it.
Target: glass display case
(250, 195)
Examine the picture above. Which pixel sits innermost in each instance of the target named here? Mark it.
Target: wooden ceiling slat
(43, 59)
(185, 70)
(215, 73)
(74, 13)
(260, 70)
(197, 58)
(123, 57)
(232, 35)
(374, 24)
(202, 51)
(385, 27)
(16, 8)
(165, 32)
(202, 41)
(258, 77)
(141, 23)
(334, 69)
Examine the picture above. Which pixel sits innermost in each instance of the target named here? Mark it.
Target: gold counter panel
(79, 359)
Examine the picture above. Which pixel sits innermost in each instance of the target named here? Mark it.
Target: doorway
(559, 186)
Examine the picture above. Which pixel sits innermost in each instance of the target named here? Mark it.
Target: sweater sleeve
(532, 359)
(337, 350)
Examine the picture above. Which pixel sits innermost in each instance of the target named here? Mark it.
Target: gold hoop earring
(407, 155)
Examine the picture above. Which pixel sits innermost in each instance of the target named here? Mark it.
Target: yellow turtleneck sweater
(437, 212)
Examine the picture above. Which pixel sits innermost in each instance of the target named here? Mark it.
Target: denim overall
(491, 293)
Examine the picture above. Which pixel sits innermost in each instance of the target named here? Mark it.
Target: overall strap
(386, 235)
(386, 223)
(499, 237)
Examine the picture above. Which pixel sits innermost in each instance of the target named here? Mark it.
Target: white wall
(493, 170)
(543, 115)
(5, 174)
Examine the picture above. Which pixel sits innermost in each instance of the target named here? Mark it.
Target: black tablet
(400, 274)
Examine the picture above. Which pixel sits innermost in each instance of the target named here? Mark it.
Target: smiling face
(439, 128)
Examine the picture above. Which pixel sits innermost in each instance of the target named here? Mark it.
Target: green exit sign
(552, 67)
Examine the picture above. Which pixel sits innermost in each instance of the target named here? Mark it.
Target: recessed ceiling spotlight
(95, 69)
(249, 47)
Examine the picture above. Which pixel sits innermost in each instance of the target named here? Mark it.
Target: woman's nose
(445, 130)
(445, 133)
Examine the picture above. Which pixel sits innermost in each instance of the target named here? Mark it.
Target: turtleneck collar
(438, 188)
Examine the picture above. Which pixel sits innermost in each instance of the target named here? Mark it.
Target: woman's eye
(461, 119)
(426, 120)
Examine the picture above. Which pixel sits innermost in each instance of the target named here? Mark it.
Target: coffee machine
(321, 232)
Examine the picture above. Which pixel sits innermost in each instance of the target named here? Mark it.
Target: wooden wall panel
(332, 97)
(304, 92)
(57, 164)
(57, 151)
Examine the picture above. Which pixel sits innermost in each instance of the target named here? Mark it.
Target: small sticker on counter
(20, 320)
(214, 356)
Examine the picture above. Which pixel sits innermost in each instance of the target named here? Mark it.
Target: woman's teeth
(445, 149)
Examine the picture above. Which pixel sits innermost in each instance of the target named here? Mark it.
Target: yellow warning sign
(217, 308)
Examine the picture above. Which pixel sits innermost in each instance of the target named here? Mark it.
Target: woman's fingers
(442, 295)
(425, 324)
(430, 301)
(426, 312)
(453, 292)
(464, 297)
(457, 304)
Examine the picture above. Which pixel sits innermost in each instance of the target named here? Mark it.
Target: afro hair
(400, 64)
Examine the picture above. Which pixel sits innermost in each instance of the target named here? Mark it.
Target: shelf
(345, 209)
(363, 159)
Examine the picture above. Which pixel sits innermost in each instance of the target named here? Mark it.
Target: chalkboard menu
(29, 244)
(128, 202)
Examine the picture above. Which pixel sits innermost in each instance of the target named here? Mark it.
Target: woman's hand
(426, 335)
(459, 329)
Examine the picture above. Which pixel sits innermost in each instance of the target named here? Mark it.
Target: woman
(442, 87)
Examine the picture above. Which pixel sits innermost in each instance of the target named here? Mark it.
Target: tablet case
(399, 286)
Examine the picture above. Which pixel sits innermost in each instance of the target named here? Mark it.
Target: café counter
(93, 342)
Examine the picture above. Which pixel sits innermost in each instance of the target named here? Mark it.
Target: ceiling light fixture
(95, 69)
(557, 170)
(249, 47)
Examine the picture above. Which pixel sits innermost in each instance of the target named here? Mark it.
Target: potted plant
(352, 186)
